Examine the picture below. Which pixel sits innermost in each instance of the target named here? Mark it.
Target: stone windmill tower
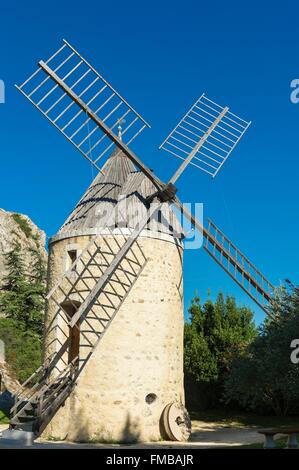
(113, 366)
(141, 353)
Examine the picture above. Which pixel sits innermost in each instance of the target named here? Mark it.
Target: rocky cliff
(14, 226)
(7, 380)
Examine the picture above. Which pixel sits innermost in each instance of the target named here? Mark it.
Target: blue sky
(161, 55)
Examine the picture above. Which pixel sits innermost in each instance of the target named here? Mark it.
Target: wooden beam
(86, 305)
(127, 151)
(228, 256)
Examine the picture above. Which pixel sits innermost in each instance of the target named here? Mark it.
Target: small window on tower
(72, 258)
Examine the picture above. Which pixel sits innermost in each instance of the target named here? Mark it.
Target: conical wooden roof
(120, 187)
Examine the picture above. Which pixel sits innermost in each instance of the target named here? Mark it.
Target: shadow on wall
(82, 431)
(131, 431)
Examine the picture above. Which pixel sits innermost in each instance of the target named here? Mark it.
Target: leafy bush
(217, 333)
(22, 348)
(264, 377)
(23, 224)
(4, 419)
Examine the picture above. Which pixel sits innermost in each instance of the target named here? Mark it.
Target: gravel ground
(204, 435)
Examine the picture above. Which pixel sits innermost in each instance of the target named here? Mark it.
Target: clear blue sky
(161, 55)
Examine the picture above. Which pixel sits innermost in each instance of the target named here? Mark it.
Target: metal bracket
(167, 193)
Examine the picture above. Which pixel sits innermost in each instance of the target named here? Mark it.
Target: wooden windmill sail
(87, 110)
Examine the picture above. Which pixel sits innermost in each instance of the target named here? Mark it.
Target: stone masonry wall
(139, 358)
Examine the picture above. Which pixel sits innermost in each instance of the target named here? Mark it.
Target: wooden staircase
(35, 407)
(96, 285)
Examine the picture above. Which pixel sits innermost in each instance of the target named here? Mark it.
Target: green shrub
(22, 348)
(23, 224)
(264, 377)
(216, 334)
(4, 419)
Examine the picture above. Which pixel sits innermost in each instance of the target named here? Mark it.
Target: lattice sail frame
(205, 137)
(238, 266)
(94, 91)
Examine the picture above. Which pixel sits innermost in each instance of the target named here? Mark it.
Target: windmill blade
(233, 261)
(84, 107)
(205, 137)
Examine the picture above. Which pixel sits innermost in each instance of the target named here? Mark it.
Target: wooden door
(74, 332)
(74, 335)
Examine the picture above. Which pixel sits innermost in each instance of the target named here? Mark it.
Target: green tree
(22, 348)
(264, 377)
(217, 333)
(34, 297)
(22, 293)
(22, 297)
(14, 284)
(38, 268)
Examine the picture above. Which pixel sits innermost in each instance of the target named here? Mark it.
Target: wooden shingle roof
(123, 189)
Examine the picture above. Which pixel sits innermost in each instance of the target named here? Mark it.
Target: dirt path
(204, 435)
(219, 435)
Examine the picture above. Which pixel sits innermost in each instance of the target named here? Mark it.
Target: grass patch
(54, 439)
(4, 419)
(23, 224)
(26, 228)
(100, 441)
(240, 419)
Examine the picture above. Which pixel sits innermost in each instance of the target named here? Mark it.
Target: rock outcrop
(7, 379)
(15, 226)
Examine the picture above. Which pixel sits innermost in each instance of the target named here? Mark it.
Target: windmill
(114, 316)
